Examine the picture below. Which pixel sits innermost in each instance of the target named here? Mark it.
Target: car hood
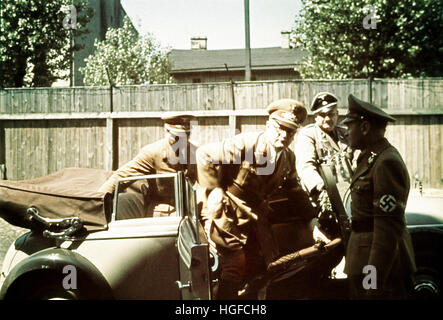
(424, 210)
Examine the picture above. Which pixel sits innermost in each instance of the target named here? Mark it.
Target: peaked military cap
(178, 123)
(361, 110)
(287, 112)
(323, 102)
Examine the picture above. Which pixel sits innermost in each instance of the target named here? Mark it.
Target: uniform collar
(368, 157)
(379, 147)
(329, 138)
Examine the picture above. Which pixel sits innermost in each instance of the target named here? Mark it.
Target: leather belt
(363, 225)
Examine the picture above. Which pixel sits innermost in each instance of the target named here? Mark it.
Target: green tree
(343, 43)
(35, 43)
(127, 58)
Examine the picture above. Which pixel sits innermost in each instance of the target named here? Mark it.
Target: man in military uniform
(323, 142)
(240, 174)
(379, 257)
(168, 155)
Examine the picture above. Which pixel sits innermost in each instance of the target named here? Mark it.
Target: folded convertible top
(71, 192)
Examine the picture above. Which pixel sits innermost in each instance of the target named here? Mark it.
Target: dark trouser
(240, 241)
(395, 288)
(237, 267)
(233, 267)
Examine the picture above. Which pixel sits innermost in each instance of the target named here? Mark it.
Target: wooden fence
(43, 130)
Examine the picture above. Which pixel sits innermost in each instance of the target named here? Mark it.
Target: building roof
(215, 60)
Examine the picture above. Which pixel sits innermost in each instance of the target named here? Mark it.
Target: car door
(137, 255)
(193, 249)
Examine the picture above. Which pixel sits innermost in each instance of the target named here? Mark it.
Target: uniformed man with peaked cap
(379, 259)
(323, 142)
(240, 174)
(168, 155)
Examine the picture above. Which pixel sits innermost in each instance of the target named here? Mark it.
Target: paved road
(8, 234)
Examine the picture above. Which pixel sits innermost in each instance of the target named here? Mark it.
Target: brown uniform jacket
(219, 165)
(311, 146)
(379, 191)
(242, 166)
(157, 157)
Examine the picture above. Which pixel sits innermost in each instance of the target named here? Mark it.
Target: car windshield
(146, 196)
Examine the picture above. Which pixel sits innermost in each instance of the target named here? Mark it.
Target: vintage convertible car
(146, 257)
(81, 246)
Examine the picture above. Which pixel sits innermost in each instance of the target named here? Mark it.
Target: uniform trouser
(393, 289)
(237, 262)
(392, 282)
(233, 233)
(233, 267)
(390, 285)
(236, 266)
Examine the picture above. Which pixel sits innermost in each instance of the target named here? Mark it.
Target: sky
(174, 22)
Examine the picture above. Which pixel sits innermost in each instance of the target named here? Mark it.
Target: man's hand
(317, 234)
(326, 217)
(216, 202)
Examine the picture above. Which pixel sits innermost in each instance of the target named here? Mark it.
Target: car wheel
(42, 286)
(428, 279)
(427, 284)
(52, 291)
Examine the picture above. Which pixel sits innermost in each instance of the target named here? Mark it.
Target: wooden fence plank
(57, 127)
(436, 150)
(393, 94)
(54, 144)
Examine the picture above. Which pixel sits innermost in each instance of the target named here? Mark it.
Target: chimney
(285, 39)
(198, 43)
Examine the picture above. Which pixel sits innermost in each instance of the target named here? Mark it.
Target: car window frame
(177, 192)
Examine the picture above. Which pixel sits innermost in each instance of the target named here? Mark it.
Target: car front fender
(55, 260)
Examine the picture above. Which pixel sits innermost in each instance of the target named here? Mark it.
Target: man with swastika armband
(379, 191)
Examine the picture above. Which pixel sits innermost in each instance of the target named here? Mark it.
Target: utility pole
(248, 45)
(71, 58)
(1, 70)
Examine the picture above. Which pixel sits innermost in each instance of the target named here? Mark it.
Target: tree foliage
(406, 41)
(35, 47)
(126, 58)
